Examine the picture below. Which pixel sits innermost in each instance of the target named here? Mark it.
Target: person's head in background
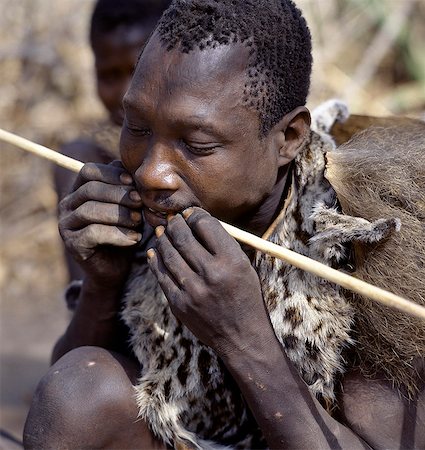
(118, 31)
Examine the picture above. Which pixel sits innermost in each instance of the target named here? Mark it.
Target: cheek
(104, 94)
(131, 156)
(228, 189)
(256, 175)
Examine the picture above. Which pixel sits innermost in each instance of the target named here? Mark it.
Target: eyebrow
(199, 122)
(195, 122)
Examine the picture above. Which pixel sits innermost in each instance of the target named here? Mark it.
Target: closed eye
(137, 130)
(200, 148)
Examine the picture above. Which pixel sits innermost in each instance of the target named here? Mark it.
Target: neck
(261, 219)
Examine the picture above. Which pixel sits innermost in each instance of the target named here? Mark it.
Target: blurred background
(367, 52)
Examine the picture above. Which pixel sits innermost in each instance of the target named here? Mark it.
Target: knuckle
(90, 168)
(79, 213)
(63, 205)
(87, 212)
(207, 222)
(241, 260)
(63, 233)
(86, 172)
(92, 232)
(90, 190)
(197, 290)
(72, 244)
(84, 190)
(62, 228)
(217, 274)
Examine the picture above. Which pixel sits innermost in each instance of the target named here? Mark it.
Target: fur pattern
(380, 172)
(184, 392)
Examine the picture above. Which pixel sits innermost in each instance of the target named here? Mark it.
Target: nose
(158, 170)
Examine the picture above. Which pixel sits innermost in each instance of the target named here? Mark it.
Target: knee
(85, 390)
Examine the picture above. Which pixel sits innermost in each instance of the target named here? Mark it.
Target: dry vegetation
(369, 52)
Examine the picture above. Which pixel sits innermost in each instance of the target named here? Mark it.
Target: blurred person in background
(118, 31)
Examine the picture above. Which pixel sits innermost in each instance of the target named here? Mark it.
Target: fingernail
(126, 178)
(170, 216)
(135, 196)
(187, 212)
(150, 253)
(159, 231)
(135, 216)
(134, 235)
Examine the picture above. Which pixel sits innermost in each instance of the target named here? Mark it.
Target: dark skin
(174, 148)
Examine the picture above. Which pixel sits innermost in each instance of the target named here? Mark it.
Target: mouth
(160, 214)
(156, 217)
(156, 213)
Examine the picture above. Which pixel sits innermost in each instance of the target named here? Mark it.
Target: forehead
(208, 75)
(120, 39)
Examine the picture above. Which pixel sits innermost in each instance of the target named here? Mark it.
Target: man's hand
(208, 280)
(100, 220)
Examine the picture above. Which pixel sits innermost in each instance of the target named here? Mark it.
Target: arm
(213, 289)
(99, 223)
(287, 413)
(95, 320)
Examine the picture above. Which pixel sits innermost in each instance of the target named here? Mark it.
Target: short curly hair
(276, 33)
(110, 14)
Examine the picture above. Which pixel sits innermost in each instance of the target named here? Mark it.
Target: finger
(107, 173)
(209, 231)
(182, 238)
(90, 237)
(117, 163)
(102, 213)
(102, 192)
(173, 261)
(165, 280)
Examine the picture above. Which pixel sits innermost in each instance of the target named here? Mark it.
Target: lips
(156, 213)
(161, 214)
(156, 217)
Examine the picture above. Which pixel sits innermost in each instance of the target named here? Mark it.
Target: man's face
(115, 55)
(187, 138)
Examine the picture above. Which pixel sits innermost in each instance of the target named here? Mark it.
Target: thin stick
(293, 258)
(40, 150)
(323, 271)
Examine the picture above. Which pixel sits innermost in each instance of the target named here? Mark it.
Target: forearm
(287, 413)
(95, 320)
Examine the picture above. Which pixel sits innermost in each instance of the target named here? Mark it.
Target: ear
(290, 134)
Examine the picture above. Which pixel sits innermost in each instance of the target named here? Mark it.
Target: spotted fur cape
(184, 392)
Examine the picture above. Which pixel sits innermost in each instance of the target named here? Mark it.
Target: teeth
(158, 213)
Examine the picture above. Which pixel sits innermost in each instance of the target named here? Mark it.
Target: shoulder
(380, 414)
